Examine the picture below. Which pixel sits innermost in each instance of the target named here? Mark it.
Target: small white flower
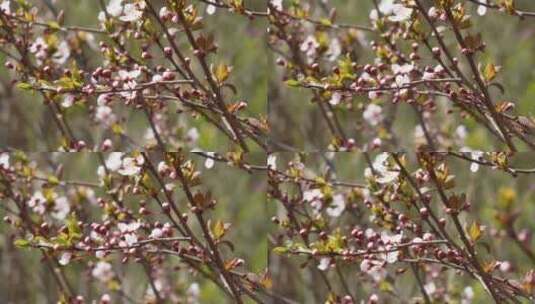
(132, 12)
(37, 202)
(476, 155)
(468, 295)
(115, 7)
(194, 291)
(129, 75)
(335, 98)
(130, 227)
(337, 206)
(192, 135)
(373, 268)
(65, 258)
(61, 208)
(335, 49)
(209, 162)
(105, 115)
(114, 161)
(390, 241)
(4, 6)
(163, 168)
(312, 195)
(164, 12)
(461, 132)
(277, 4)
(130, 239)
(210, 9)
(402, 69)
(103, 271)
(384, 174)
(129, 167)
(396, 12)
(309, 46)
(272, 162)
(402, 80)
(62, 53)
(482, 9)
(324, 264)
(400, 13)
(156, 233)
(4, 160)
(373, 114)
(68, 100)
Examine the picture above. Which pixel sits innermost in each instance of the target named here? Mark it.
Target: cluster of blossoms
(141, 100)
(428, 57)
(156, 61)
(409, 220)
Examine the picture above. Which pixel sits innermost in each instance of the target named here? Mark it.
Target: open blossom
(5, 7)
(4, 160)
(384, 173)
(126, 12)
(337, 206)
(62, 53)
(68, 100)
(209, 162)
(37, 202)
(105, 115)
(309, 46)
(61, 208)
(312, 195)
(131, 166)
(128, 227)
(402, 69)
(324, 264)
(373, 114)
(272, 162)
(335, 98)
(390, 242)
(210, 9)
(395, 11)
(114, 161)
(335, 49)
(156, 233)
(277, 4)
(103, 271)
(65, 258)
(482, 9)
(374, 268)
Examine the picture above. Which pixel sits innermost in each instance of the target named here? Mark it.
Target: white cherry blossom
(337, 206)
(209, 162)
(61, 208)
(373, 114)
(482, 9)
(103, 271)
(65, 258)
(277, 4)
(210, 9)
(4, 160)
(395, 11)
(324, 264)
(5, 7)
(384, 174)
(272, 162)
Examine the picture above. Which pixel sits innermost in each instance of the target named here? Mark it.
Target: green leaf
(292, 83)
(24, 86)
(475, 231)
(54, 25)
(280, 250)
(21, 243)
(490, 72)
